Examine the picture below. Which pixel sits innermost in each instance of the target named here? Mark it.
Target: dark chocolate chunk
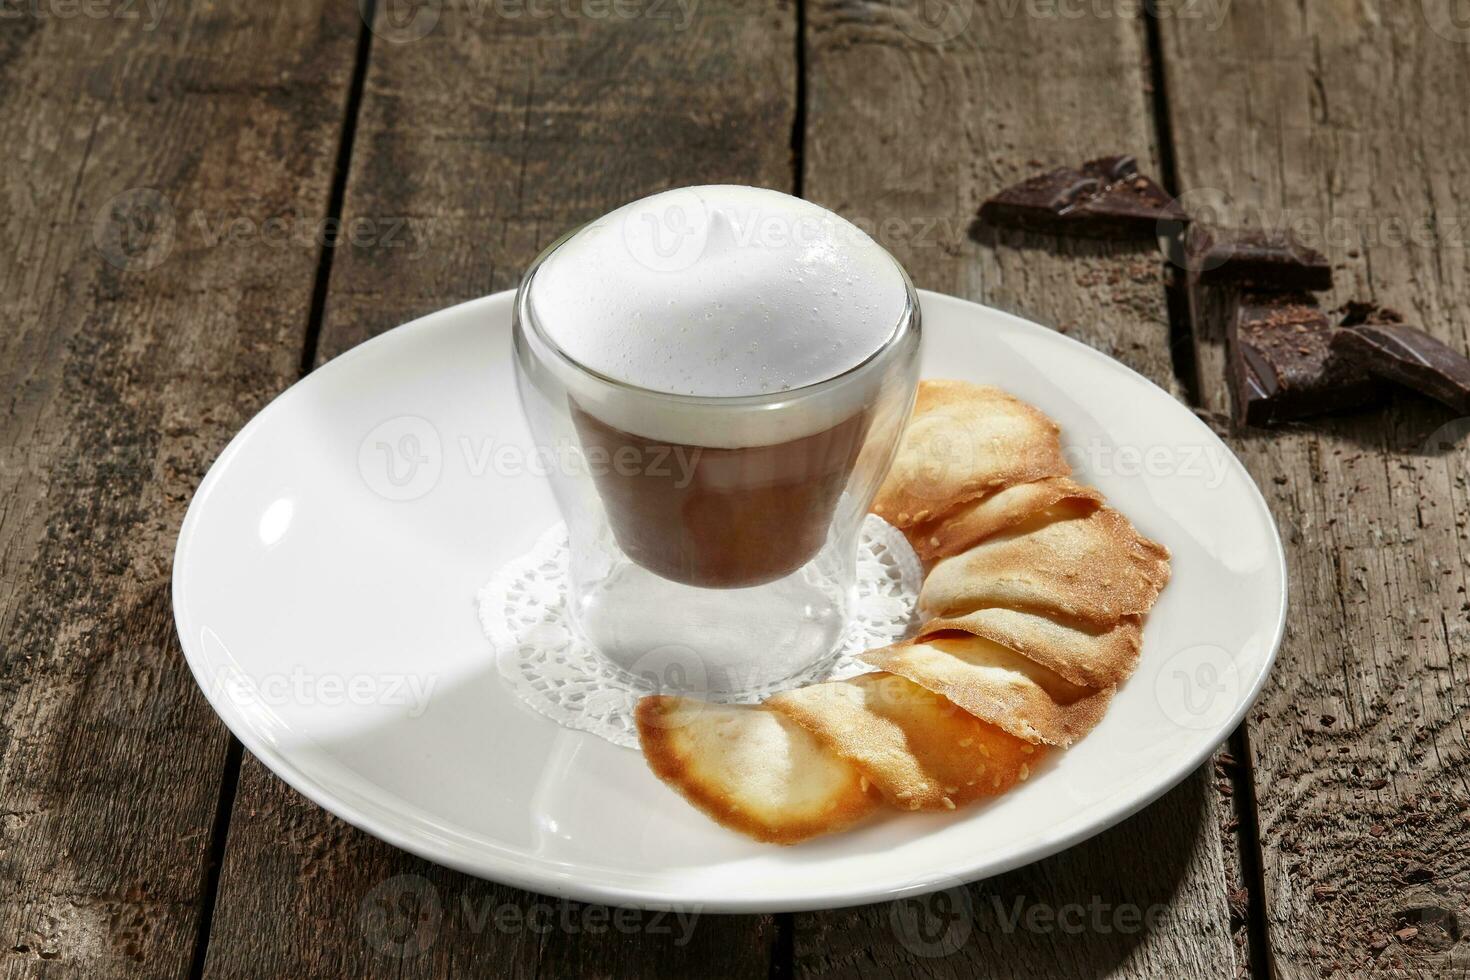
(1263, 259)
(1104, 198)
(1129, 204)
(1282, 365)
(1112, 168)
(1355, 312)
(1409, 356)
(1038, 203)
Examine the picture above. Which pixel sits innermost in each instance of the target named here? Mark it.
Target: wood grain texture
(1141, 900)
(915, 134)
(943, 126)
(493, 135)
(137, 340)
(489, 136)
(1346, 122)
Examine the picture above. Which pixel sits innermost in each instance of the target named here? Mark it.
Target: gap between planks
(1246, 836)
(234, 755)
(783, 948)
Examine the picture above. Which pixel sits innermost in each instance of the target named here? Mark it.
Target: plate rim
(541, 876)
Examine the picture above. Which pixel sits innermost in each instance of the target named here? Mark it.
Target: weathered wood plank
(136, 342)
(492, 135)
(1347, 122)
(489, 136)
(948, 124)
(945, 119)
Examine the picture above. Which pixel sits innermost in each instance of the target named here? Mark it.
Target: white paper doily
(523, 611)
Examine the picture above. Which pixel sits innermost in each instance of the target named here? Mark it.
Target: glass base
(714, 642)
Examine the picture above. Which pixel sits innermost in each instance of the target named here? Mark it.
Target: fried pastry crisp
(750, 768)
(1088, 656)
(975, 520)
(964, 441)
(1096, 568)
(919, 749)
(1037, 603)
(997, 685)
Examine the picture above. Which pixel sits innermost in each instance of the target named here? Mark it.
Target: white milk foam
(719, 291)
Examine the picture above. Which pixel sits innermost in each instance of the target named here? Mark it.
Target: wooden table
(175, 175)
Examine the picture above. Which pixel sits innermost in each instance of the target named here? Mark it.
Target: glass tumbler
(713, 540)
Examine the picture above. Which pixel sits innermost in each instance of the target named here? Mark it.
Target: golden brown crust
(1040, 592)
(1088, 656)
(1096, 568)
(750, 769)
(975, 520)
(998, 685)
(919, 749)
(963, 441)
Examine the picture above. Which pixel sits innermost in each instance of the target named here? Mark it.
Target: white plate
(328, 613)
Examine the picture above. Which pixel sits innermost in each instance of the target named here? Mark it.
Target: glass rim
(908, 321)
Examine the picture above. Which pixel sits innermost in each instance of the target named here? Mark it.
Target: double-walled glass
(713, 540)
